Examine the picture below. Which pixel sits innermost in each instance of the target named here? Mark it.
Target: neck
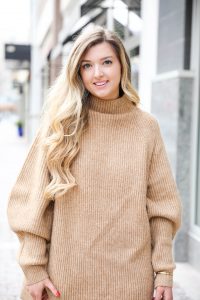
(111, 106)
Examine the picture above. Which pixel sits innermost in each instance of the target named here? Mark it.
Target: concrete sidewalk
(12, 154)
(187, 282)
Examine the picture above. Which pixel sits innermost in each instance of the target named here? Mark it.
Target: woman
(95, 206)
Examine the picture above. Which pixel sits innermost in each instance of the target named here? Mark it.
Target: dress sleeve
(30, 216)
(164, 211)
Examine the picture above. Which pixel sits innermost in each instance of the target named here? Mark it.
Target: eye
(107, 62)
(86, 66)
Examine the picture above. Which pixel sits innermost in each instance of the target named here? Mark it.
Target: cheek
(117, 73)
(85, 78)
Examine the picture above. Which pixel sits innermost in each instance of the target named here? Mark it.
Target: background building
(14, 60)
(175, 102)
(162, 39)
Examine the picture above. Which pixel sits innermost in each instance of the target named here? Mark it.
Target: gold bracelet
(165, 273)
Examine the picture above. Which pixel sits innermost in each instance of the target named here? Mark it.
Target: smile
(100, 83)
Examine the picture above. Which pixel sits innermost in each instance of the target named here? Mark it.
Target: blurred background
(162, 38)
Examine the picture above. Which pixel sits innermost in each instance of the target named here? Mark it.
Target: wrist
(163, 278)
(35, 274)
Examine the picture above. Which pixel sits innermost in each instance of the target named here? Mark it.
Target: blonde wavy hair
(65, 112)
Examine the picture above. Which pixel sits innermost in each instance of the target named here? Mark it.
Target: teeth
(100, 83)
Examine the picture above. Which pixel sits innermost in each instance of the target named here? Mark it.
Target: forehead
(100, 50)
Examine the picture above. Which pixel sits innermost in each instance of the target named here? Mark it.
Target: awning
(92, 16)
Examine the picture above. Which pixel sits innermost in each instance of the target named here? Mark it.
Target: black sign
(18, 52)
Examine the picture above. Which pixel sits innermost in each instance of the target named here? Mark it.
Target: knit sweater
(107, 236)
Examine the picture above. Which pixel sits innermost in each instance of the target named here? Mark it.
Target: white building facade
(163, 41)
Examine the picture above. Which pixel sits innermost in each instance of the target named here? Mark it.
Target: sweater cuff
(34, 274)
(163, 280)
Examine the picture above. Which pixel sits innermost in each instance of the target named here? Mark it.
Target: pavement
(186, 282)
(12, 154)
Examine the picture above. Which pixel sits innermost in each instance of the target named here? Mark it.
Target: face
(100, 71)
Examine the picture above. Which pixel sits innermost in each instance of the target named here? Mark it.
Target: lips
(100, 83)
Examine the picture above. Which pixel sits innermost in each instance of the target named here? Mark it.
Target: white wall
(148, 51)
(35, 103)
(71, 14)
(45, 20)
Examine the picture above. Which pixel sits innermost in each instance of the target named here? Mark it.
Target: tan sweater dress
(107, 236)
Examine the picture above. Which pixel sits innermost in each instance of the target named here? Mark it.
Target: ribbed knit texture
(109, 234)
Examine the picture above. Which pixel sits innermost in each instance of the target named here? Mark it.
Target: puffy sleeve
(164, 210)
(30, 216)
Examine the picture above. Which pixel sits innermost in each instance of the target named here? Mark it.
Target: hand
(163, 293)
(38, 291)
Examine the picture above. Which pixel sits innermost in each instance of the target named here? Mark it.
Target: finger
(168, 295)
(38, 297)
(33, 297)
(52, 288)
(159, 293)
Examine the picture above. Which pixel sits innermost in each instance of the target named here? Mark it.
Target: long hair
(65, 113)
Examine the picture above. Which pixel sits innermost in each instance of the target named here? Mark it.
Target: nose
(98, 71)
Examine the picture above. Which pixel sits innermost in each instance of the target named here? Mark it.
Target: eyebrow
(87, 60)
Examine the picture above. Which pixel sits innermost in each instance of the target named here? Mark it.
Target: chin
(104, 95)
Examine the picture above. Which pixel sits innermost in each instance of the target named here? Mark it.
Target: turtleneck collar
(113, 106)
